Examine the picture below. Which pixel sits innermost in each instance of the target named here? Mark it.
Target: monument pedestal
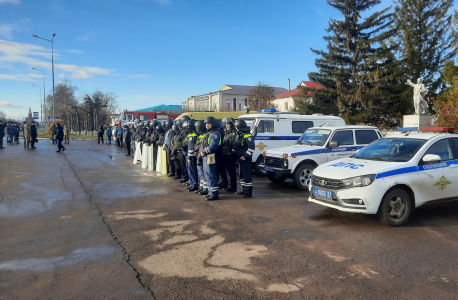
(417, 121)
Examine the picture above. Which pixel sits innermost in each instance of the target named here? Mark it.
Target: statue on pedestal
(421, 107)
(30, 117)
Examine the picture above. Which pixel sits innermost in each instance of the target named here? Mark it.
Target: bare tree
(261, 96)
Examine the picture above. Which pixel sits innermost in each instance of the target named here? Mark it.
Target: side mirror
(333, 144)
(431, 158)
(255, 131)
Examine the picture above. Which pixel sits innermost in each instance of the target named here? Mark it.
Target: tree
(261, 96)
(359, 72)
(446, 104)
(426, 38)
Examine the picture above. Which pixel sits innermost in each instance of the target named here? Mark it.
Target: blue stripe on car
(440, 165)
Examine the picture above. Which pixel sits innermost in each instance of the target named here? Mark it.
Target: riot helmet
(190, 125)
(185, 118)
(240, 125)
(211, 120)
(174, 127)
(228, 120)
(200, 126)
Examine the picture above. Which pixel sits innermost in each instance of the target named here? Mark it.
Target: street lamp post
(41, 106)
(52, 57)
(44, 94)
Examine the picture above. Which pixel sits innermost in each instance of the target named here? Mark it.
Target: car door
(438, 181)
(346, 145)
(365, 137)
(265, 138)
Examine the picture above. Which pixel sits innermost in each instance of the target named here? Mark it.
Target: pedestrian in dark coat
(33, 135)
(100, 133)
(59, 137)
(2, 133)
(53, 133)
(128, 138)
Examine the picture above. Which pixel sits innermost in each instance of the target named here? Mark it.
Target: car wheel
(276, 178)
(302, 176)
(259, 170)
(395, 208)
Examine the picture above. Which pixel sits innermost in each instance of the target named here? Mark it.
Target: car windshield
(314, 137)
(391, 149)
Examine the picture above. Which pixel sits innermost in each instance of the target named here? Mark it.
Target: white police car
(316, 146)
(390, 177)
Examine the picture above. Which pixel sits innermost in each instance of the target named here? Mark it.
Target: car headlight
(285, 163)
(359, 181)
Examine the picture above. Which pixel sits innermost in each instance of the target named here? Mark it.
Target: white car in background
(390, 177)
(316, 146)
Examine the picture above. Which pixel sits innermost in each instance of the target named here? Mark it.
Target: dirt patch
(180, 238)
(281, 288)
(137, 214)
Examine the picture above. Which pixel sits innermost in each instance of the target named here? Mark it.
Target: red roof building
(285, 101)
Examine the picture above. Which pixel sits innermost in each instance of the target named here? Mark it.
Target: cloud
(11, 52)
(10, 1)
(83, 38)
(7, 104)
(140, 75)
(164, 2)
(61, 75)
(6, 31)
(22, 77)
(74, 51)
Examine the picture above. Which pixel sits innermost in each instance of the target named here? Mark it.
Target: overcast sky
(151, 52)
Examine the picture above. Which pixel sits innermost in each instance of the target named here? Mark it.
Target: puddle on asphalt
(48, 264)
(299, 234)
(261, 220)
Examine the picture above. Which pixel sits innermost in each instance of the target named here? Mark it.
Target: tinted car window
(441, 148)
(365, 136)
(266, 126)
(455, 143)
(301, 126)
(344, 137)
(391, 149)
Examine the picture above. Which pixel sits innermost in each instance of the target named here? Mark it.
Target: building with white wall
(228, 98)
(285, 101)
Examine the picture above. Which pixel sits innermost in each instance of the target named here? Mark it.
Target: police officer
(33, 135)
(210, 153)
(128, 135)
(242, 151)
(183, 154)
(228, 164)
(191, 141)
(176, 144)
(167, 140)
(201, 132)
(2, 133)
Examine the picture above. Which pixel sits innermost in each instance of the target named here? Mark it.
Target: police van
(272, 129)
(390, 177)
(316, 146)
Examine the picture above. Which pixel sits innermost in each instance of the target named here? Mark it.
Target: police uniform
(228, 164)
(203, 190)
(183, 155)
(191, 141)
(243, 145)
(211, 149)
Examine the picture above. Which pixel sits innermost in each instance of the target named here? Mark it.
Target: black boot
(241, 191)
(247, 191)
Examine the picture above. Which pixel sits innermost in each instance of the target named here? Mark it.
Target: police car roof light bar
(266, 111)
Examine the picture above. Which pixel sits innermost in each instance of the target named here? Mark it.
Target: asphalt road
(88, 224)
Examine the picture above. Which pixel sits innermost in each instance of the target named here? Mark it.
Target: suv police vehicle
(272, 129)
(316, 146)
(391, 177)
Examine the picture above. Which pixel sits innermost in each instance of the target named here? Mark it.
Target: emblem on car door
(261, 146)
(442, 183)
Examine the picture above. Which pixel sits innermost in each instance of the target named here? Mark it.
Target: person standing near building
(66, 134)
(33, 135)
(108, 134)
(210, 154)
(128, 136)
(2, 133)
(242, 151)
(59, 137)
(53, 133)
(119, 136)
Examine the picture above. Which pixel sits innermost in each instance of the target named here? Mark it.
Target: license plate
(322, 193)
(269, 169)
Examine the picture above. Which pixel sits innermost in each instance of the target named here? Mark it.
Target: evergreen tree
(359, 72)
(426, 40)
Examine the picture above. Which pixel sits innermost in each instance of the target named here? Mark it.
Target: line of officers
(201, 154)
